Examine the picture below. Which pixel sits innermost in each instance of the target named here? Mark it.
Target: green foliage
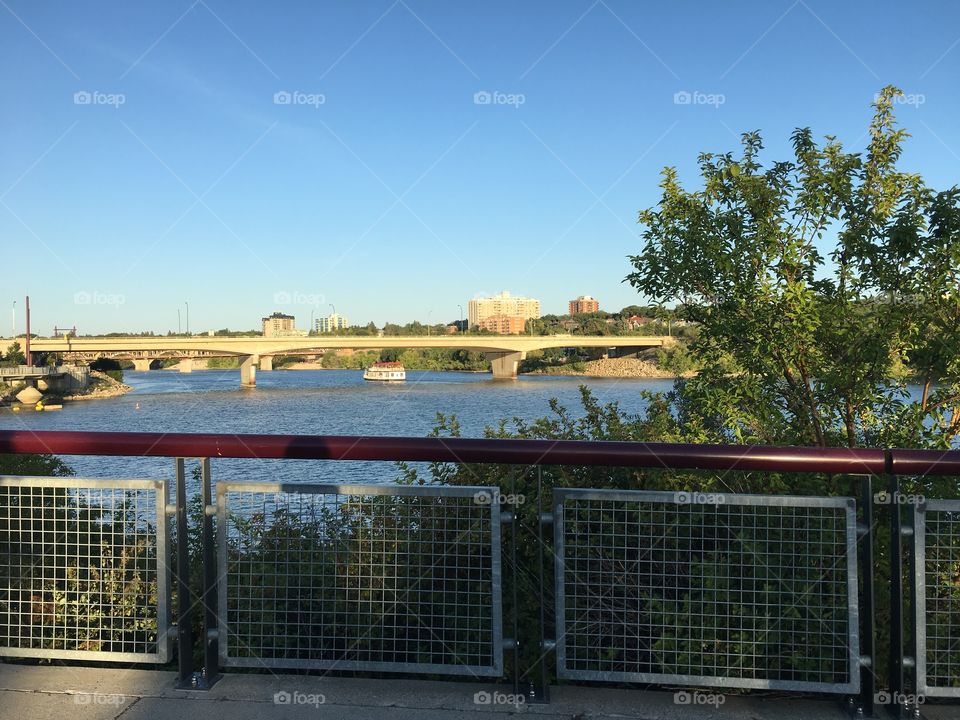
(13, 357)
(223, 363)
(111, 368)
(794, 349)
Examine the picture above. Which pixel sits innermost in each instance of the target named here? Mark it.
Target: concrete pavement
(57, 693)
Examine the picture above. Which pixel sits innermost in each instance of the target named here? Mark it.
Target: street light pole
(13, 319)
(179, 329)
(188, 316)
(334, 317)
(461, 328)
(310, 328)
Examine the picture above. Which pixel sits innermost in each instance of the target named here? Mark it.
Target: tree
(796, 347)
(14, 355)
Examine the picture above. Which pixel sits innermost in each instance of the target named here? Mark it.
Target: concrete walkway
(68, 693)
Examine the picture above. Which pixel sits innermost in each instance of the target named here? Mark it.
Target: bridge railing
(750, 589)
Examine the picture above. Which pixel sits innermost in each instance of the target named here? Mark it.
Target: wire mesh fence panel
(717, 590)
(937, 547)
(379, 577)
(84, 569)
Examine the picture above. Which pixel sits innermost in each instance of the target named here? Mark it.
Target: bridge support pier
(141, 365)
(248, 371)
(185, 365)
(266, 363)
(505, 364)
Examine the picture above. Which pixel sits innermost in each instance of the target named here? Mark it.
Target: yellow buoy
(15, 408)
(38, 406)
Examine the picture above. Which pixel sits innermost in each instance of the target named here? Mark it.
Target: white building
(331, 323)
(503, 304)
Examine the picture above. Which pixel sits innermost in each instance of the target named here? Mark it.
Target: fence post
(211, 644)
(864, 703)
(182, 571)
(540, 686)
(896, 595)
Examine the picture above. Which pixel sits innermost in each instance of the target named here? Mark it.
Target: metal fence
(372, 577)
(937, 603)
(718, 590)
(84, 569)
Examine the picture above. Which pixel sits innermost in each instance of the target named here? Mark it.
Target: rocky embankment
(101, 386)
(612, 368)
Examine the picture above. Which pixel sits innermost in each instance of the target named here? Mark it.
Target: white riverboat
(385, 372)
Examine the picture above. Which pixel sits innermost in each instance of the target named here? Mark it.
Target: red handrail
(478, 450)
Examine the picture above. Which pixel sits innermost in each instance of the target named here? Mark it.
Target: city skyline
(223, 156)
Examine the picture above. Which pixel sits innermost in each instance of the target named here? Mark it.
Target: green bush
(111, 368)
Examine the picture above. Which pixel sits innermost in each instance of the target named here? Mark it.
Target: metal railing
(747, 591)
(84, 569)
(707, 589)
(373, 577)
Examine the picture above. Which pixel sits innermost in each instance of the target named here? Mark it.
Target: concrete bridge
(504, 351)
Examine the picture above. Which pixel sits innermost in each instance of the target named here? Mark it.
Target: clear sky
(248, 157)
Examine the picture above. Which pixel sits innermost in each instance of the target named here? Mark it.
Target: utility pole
(27, 340)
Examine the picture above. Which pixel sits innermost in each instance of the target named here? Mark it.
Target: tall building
(278, 325)
(584, 304)
(502, 304)
(504, 324)
(331, 323)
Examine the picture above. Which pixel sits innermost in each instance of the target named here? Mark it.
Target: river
(311, 402)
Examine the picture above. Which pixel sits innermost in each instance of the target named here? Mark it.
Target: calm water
(333, 402)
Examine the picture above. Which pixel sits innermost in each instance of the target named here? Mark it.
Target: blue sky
(150, 158)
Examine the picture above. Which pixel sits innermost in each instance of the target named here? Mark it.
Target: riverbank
(101, 386)
(605, 368)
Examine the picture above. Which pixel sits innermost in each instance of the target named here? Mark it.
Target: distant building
(636, 322)
(504, 324)
(584, 304)
(331, 323)
(278, 325)
(503, 304)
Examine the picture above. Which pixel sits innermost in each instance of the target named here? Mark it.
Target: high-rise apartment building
(502, 304)
(584, 304)
(330, 323)
(278, 325)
